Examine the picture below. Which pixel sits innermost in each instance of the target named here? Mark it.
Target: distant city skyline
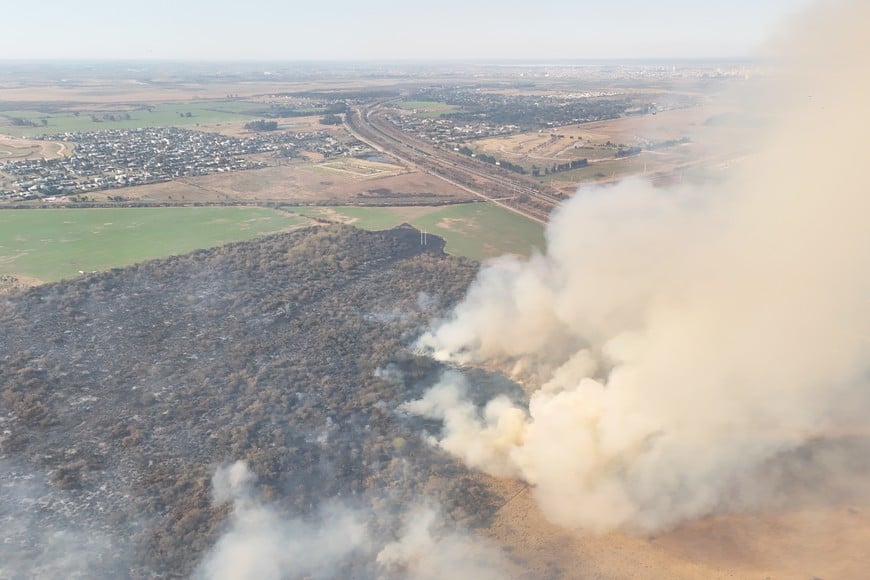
(223, 30)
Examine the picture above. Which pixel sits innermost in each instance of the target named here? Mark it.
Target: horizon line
(393, 61)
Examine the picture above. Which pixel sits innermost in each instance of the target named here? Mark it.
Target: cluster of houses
(125, 157)
(479, 114)
(442, 130)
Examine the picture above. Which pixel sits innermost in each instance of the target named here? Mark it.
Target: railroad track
(484, 180)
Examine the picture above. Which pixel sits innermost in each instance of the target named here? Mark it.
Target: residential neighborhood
(125, 157)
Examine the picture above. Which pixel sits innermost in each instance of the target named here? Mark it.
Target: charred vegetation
(127, 388)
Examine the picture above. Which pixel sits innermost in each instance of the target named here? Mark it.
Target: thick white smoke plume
(340, 541)
(674, 341)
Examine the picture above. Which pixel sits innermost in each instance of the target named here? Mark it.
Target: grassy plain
(54, 244)
(158, 115)
(335, 183)
(295, 124)
(428, 108)
(473, 230)
(49, 245)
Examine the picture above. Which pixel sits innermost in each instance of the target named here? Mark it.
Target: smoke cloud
(425, 551)
(339, 541)
(675, 341)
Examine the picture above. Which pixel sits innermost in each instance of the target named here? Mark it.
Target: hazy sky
(387, 29)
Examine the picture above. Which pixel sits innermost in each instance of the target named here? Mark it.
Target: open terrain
(598, 137)
(303, 182)
(799, 540)
(125, 382)
(16, 149)
(122, 391)
(476, 230)
(190, 114)
(49, 245)
(673, 144)
(428, 108)
(485, 110)
(334, 181)
(294, 124)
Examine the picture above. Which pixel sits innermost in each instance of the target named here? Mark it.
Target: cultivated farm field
(472, 230)
(52, 119)
(428, 108)
(49, 245)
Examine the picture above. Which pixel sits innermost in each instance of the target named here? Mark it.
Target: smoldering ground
(41, 537)
(126, 388)
(339, 540)
(678, 344)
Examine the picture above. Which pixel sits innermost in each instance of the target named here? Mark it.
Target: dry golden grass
(589, 139)
(308, 124)
(343, 181)
(360, 169)
(823, 534)
(710, 151)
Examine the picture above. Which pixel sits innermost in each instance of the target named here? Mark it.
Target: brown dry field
(10, 284)
(587, 139)
(803, 543)
(405, 213)
(708, 155)
(352, 181)
(14, 149)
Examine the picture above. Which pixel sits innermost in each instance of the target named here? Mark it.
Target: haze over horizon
(387, 30)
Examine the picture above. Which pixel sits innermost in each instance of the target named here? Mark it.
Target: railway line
(491, 183)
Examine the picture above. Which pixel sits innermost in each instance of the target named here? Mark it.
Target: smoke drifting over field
(676, 342)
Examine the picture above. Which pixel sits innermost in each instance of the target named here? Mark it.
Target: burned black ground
(121, 392)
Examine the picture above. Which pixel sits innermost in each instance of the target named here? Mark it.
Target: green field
(54, 244)
(608, 169)
(474, 230)
(162, 115)
(429, 108)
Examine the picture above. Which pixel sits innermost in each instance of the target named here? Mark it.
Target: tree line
(261, 125)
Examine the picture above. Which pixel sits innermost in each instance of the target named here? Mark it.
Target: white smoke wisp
(261, 545)
(232, 482)
(481, 442)
(426, 551)
(673, 341)
(339, 541)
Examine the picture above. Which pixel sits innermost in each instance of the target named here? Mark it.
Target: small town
(125, 157)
